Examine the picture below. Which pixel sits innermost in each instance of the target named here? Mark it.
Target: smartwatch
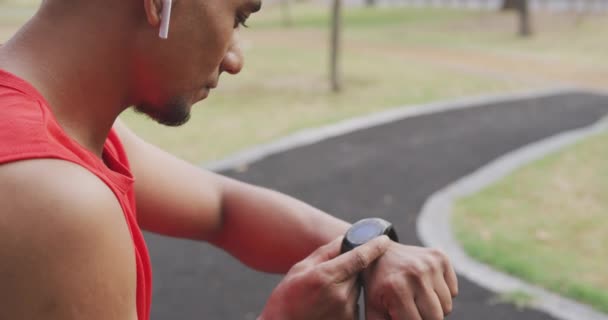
(365, 230)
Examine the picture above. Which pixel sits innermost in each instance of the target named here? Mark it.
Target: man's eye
(240, 20)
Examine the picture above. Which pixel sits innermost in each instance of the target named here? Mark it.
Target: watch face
(364, 232)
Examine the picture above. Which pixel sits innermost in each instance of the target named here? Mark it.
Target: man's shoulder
(18, 109)
(22, 123)
(12, 99)
(63, 233)
(55, 190)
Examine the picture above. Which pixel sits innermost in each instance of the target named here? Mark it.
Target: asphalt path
(386, 171)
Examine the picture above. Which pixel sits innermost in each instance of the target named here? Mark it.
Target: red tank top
(28, 130)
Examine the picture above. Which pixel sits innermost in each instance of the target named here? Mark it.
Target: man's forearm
(270, 231)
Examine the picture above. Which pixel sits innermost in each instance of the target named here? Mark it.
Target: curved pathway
(387, 170)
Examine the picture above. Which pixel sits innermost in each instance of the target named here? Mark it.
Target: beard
(175, 113)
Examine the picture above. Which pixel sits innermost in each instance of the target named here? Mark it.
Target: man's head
(169, 76)
(119, 42)
(109, 56)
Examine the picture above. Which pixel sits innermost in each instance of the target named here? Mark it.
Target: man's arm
(65, 250)
(271, 232)
(264, 229)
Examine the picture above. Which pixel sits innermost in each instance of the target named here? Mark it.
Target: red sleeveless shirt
(28, 130)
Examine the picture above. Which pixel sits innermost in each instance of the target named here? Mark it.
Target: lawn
(547, 223)
(392, 57)
(284, 86)
(284, 89)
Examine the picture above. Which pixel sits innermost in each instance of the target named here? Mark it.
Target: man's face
(171, 75)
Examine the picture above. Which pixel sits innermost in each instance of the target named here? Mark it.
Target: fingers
(326, 252)
(429, 305)
(378, 314)
(401, 306)
(350, 264)
(405, 310)
(418, 302)
(412, 283)
(443, 293)
(445, 282)
(450, 278)
(353, 301)
(432, 297)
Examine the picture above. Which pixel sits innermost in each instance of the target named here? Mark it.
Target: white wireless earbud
(165, 19)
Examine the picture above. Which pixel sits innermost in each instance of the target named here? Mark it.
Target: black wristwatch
(366, 230)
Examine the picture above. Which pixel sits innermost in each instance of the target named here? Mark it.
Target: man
(73, 204)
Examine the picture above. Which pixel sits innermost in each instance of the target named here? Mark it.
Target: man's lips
(204, 93)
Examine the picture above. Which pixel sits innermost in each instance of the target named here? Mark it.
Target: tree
(523, 10)
(286, 6)
(336, 25)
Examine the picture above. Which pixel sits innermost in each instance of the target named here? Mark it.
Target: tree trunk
(523, 11)
(525, 27)
(336, 22)
(286, 9)
(510, 4)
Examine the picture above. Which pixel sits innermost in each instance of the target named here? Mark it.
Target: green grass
(521, 300)
(284, 89)
(310, 16)
(546, 223)
(284, 86)
(559, 36)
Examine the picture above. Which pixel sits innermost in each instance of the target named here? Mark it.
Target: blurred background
(391, 53)
(311, 63)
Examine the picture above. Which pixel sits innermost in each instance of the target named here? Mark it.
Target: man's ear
(153, 11)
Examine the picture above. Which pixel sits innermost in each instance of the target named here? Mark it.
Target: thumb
(326, 252)
(350, 264)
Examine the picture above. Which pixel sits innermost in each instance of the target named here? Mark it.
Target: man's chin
(173, 122)
(174, 114)
(203, 94)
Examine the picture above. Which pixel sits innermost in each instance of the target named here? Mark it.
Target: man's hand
(324, 285)
(410, 283)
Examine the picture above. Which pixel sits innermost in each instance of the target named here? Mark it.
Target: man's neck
(79, 66)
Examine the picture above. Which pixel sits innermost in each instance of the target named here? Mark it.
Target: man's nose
(233, 60)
